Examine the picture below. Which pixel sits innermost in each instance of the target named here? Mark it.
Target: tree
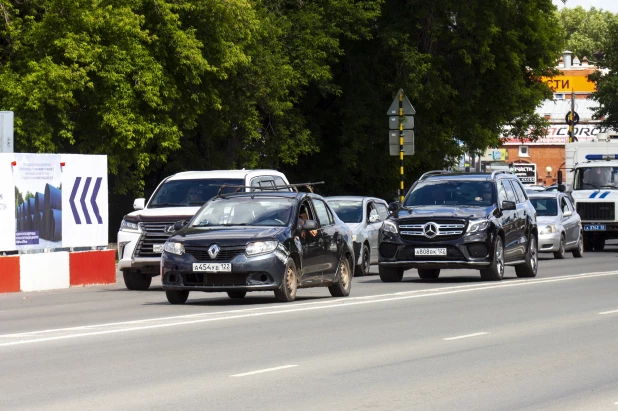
(607, 83)
(586, 31)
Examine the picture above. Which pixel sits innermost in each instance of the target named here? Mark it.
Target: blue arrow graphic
(93, 199)
(72, 200)
(83, 200)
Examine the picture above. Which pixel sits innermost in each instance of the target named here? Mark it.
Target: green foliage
(607, 83)
(586, 30)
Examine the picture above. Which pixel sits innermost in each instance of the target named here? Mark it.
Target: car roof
(544, 194)
(265, 194)
(217, 174)
(468, 176)
(353, 198)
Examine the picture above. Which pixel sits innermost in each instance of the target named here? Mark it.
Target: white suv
(144, 231)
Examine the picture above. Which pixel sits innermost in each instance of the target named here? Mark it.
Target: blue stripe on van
(605, 194)
(593, 195)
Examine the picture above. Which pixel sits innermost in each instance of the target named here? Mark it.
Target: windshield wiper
(591, 185)
(232, 225)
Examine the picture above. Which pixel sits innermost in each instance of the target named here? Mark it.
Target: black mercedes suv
(460, 220)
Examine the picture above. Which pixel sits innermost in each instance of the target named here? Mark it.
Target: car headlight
(261, 247)
(390, 227)
(129, 225)
(173, 247)
(477, 226)
(549, 228)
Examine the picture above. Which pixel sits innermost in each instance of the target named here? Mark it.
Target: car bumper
(127, 241)
(549, 243)
(259, 273)
(468, 251)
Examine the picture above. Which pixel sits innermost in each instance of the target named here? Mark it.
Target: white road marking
(283, 367)
(140, 325)
(608, 312)
(464, 336)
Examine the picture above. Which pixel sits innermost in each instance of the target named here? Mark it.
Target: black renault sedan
(259, 241)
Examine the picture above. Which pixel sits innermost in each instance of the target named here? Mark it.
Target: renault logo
(213, 251)
(430, 230)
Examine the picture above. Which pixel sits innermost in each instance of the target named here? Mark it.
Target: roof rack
(493, 173)
(238, 188)
(433, 172)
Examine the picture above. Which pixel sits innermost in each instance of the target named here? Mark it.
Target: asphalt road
(548, 343)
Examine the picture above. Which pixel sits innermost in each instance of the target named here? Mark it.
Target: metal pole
(571, 117)
(401, 145)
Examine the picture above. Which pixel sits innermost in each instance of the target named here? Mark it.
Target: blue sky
(609, 5)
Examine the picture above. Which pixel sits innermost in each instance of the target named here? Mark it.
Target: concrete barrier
(56, 270)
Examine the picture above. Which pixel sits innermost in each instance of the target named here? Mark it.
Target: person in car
(304, 217)
(194, 196)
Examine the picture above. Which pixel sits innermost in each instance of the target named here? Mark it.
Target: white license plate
(430, 251)
(595, 228)
(213, 267)
(157, 248)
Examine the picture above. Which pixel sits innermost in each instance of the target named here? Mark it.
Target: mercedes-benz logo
(430, 230)
(213, 251)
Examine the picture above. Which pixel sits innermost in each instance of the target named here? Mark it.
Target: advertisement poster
(525, 172)
(50, 201)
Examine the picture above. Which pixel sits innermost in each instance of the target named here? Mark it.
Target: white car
(364, 216)
(177, 198)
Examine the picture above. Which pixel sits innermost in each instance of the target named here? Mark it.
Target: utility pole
(401, 133)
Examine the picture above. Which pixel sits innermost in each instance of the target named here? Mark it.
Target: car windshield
(190, 193)
(243, 211)
(451, 192)
(348, 211)
(545, 207)
(591, 178)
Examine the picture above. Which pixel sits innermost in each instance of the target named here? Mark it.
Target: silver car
(364, 216)
(560, 227)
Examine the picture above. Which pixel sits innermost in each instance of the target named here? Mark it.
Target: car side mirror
(561, 188)
(139, 204)
(310, 225)
(509, 205)
(374, 218)
(394, 206)
(179, 225)
(567, 213)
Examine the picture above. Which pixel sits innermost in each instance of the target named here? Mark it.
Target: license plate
(595, 228)
(213, 267)
(157, 248)
(430, 251)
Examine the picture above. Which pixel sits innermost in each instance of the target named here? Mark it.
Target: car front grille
(447, 229)
(597, 211)
(153, 234)
(219, 279)
(226, 254)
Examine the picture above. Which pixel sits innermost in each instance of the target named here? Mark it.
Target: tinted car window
(245, 211)
(510, 194)
(323, 214)
(348, 211)
(519, 191)
(190, 192)
(545, 207)
(382, 210)
(456, 193)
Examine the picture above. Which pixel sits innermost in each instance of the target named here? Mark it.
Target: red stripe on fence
(9, 274)
(92, 267)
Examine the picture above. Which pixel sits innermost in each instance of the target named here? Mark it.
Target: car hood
(444, 211)
(544, 220)
(203, 236)
(163, 214)
(355, 227)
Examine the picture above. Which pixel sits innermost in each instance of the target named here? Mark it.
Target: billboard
(52, 201)
(526, 172)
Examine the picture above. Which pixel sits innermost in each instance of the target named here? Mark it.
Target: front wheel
(579, 251)
(286, 293)
(495, 271)
(560, 254)
(426, 274)
(177, 296)
(136, 281)
(390, 274)
(344, 284)
(530, 267)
